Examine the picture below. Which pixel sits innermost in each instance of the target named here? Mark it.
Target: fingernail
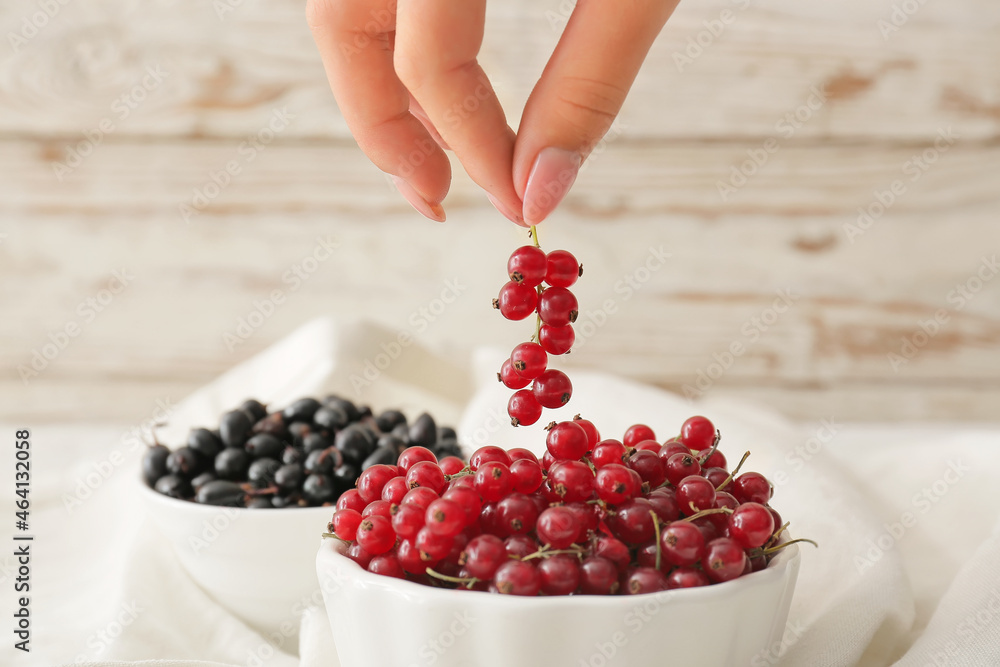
(506, 212)
(425, 208)
(551, 177)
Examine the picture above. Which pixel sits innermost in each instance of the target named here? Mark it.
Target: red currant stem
(770, 550)
(656, 528)
(777, 534)
(733, 473)
(545, 552)
(715, 446)
(533, 233)
(698, 515)
(468, 582)
(336, 538)
(464, 472)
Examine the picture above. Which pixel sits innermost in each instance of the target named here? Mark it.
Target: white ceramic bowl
(257, 563)
(384, 622)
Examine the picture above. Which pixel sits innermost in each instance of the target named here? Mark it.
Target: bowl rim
(775, 571)
(193, 506)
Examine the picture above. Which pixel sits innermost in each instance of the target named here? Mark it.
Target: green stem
(468, 582)
(336, 538)
(656, 528)
(733, 473)
(779, 547)
(698, 515)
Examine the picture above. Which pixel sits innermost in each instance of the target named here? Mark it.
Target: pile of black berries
(306, 455)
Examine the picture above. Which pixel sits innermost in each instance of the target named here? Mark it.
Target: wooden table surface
(116, 116)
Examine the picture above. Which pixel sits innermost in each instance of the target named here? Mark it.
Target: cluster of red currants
(529, 267)
(598, 517)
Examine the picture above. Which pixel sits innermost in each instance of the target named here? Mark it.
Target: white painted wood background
(653, 184)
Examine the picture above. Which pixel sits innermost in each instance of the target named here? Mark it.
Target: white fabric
(106, 587)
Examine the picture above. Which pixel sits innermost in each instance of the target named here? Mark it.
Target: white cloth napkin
(908, 572)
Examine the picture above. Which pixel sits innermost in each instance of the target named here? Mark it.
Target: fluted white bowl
(382, 621)
(257, 563)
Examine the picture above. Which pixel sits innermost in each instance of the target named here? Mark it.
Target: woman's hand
(406, 77)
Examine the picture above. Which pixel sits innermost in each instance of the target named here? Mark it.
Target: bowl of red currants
(603, 552)
(239, 502)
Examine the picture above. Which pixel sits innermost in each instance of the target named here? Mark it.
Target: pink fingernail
(551, 177)
(425, 208)
(506, 212)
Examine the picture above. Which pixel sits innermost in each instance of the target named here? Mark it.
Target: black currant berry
(223, 493)
(331, 419)
(232, 463)
(204, 442)
(354, 443)
(292, 455)
(314, 442)
(299, 430)
(202, 479)
(254, 409)
(262, 471)
(446, 433)
(154, 463)
(301, 410)
(174, 486)
(260, 503)
(289, 477)
(235, 428)
(385, 455)
(264, 445)
(349, 408)
(318, 489)
(186, 462)
(447, 448)
(423, 431)
(279, 501)
(394, 441)
(389, 420)
(323, 461)
(274, 424)
(345, 477)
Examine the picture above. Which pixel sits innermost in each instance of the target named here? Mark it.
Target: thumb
(579, 95)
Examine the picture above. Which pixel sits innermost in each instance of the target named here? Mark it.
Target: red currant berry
(409, 558)
(556, 340)
(373, 479)
(636, 434)
(648, 445)
(387, 565)
(351, 500)
(559, 574)
(451, 465)
(557, 307)
(345, 524)
(445, 517)
(598, 576)
(553, 389)
(558, 527)
(776, 516)
(716, 476)
(607, 452)
(698, 433)
(680, 466)
(509, 378)
(724, 559)
(433, 547)
(375, 535)
(672, 447)
(715, 460)
(649, 466)
(468, 499)
(527, 265)
(523, 408)
(529, 360)
(379, 507)
(420, 497)
(518, 453)
(751, 487)
(681, 543)
(572, 481)
(407, 521)
(750, 524)
(593, 436)
(694, 494)
(645, 580)
(488, 453)
(664, 502)
(483, 555)
(493, 481)
(562, 269)
(516, 301)
(527, 475)
(520, 546)
(614, 550)
(517, 577)
(358, 554)
(414, 455)
(587, 516)
(425, 473)
(687, 577)
(633, 522)
(516, 514)
(616, 484)
(394, 490)
(566, 441)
